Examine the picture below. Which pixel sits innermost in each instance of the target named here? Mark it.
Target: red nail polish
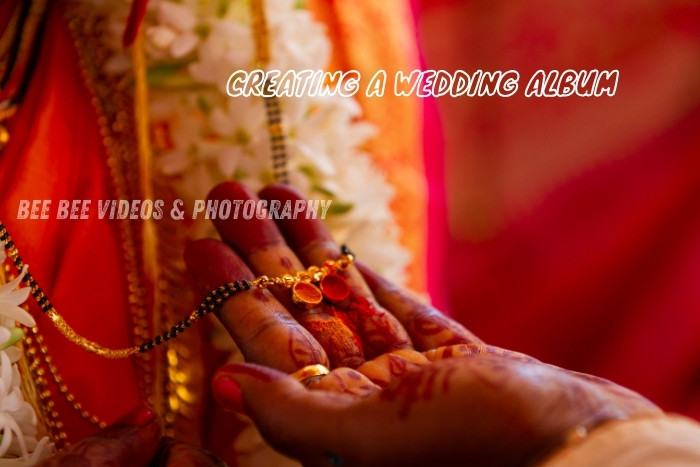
(228, 393)
(138, 416)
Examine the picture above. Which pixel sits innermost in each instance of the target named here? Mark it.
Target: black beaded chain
(278, 147)
(211, 302)
(36, 291)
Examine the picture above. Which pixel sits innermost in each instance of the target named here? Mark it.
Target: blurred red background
(572, 225)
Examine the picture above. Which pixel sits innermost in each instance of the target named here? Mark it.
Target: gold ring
(309, 371)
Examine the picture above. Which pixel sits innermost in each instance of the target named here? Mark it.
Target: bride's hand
(408, 386)
(379, 333)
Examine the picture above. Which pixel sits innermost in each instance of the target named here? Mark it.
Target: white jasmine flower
(174, 33)
(10, 299)
(184, 44)
(175, 15)
(161, 36)
(228, 47)
(18, 442)
(17, 418)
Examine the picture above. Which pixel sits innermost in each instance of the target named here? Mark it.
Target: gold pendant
(306, 294)
(334, 287)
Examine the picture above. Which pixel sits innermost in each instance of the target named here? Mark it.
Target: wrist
(583, 432)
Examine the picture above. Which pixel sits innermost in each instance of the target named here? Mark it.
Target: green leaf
(338, 208)
(202, 30)
(222, 8)
(169, 76)
(16, 335)
(308, 170)
(241, 137)
(163, 70)
(203, 105)
(324, 191)
(240, 174)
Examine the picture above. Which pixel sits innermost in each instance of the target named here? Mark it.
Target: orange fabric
(370, 36)
(55, 152)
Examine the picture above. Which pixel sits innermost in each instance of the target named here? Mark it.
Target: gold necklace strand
(79, 30)
(114, 145)
(261, 33)
(36, 390)
(168, 380)
(273, 109)
(149, 234)
(112, 104)
(35, 346)
(210, 303)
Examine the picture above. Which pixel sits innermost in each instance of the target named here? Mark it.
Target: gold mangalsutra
(331, 286)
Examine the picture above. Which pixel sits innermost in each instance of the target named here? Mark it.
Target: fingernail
(138, 416)
(228, 393)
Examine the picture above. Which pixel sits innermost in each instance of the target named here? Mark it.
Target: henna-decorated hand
(135, 440)
(395, 396)
(489, 407)
(271, 330)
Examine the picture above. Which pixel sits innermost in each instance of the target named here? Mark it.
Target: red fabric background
(604, 277)
(578, 240)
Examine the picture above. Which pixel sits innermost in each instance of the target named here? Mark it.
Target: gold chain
(35, 344)
(116, 129)
(38, 363)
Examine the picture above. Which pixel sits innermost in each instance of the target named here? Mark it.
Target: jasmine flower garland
(192, 47)
(18, 422)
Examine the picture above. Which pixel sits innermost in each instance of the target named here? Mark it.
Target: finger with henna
(261, 326)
